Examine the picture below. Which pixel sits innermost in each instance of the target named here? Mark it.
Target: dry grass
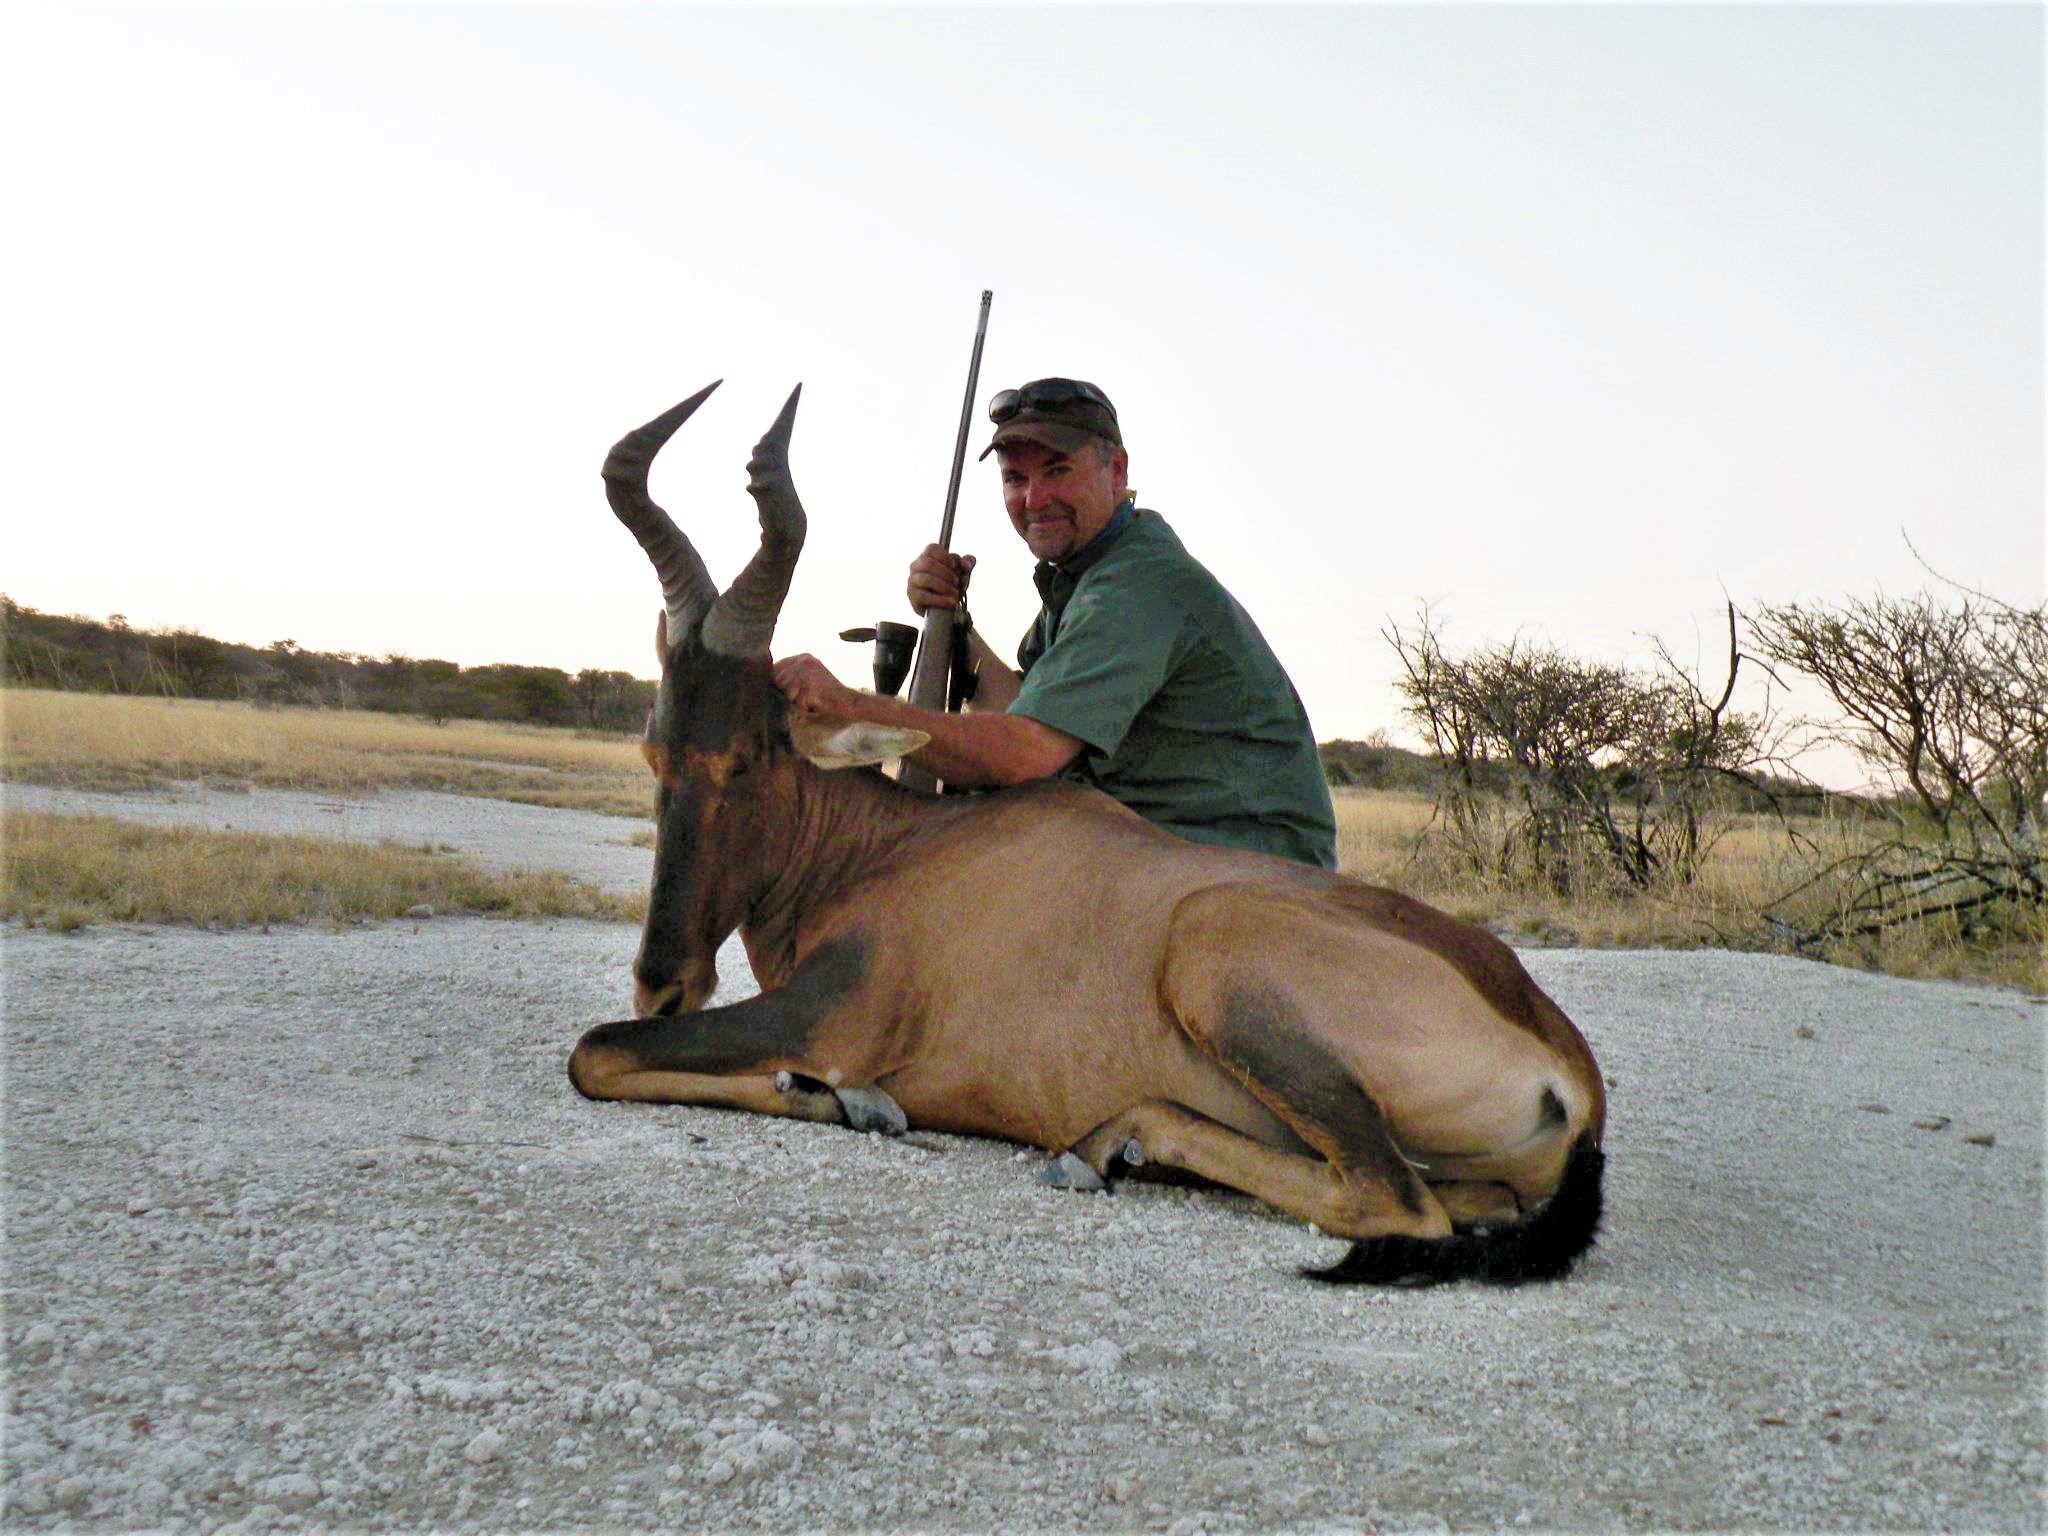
(1380, 837)
(67, 871)
(100, 741)
(108, 741)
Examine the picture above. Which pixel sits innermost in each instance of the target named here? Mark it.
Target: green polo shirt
(1185, 714)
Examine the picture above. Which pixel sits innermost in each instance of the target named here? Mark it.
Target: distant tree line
(43, 650)
(1376, 763)
(1546, 767)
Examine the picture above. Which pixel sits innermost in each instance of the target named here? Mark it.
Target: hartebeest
(1041, 964)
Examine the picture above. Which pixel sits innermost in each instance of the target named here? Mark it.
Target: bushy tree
(1946, 699)
(611, 701)
(197, 666)
(1564, 770)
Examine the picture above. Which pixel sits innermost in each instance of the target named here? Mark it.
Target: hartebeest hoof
(870, 1109)
(1068, 1172)
(864, 1109)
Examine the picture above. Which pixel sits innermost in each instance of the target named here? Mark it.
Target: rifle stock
(934, 673)
(931, 684)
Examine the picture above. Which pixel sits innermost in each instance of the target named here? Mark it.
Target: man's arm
(981, 750)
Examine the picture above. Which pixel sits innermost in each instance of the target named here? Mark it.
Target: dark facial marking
(665, 941)
(713, 715)
(746, 1036)
(1262, 1036)
(699, 704)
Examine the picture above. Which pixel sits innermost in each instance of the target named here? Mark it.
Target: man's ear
(850, 744)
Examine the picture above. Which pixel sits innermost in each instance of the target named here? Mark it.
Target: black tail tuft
(1544, 1246)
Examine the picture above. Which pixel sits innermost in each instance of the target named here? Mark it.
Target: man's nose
(1036, 495)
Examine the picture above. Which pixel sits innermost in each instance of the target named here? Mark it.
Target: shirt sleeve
(1110, 657)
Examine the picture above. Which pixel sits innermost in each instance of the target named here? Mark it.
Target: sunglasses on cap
(1044, 394)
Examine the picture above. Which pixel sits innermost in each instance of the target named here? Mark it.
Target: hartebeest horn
(687, 590)
(742, 621)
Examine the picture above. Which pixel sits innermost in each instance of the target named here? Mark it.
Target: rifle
(943, 679)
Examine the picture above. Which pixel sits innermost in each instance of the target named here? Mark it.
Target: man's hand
(985, 751)
(810, 685)
(938, 579)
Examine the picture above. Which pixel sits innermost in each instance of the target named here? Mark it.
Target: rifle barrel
(966, 421)
(930, 684)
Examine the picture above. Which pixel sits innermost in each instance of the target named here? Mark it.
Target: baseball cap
(1060, 413)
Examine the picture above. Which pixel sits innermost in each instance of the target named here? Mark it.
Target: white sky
(1565, 319)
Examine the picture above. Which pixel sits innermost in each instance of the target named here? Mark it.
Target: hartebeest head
(718, 721)
(716, 714)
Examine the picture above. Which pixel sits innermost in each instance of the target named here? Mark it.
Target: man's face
(1059, 501)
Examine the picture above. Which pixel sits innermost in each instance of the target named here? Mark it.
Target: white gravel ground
(306, 1230)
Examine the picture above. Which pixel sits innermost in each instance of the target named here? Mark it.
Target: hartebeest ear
(661, 636)
(856, 744)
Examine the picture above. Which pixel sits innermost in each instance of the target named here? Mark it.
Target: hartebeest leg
(1163, 1134)
(1214, 985)
(1258, 1038)
(728, 1055)
(1243, 1003)
(784, 1094)
(1310, 1188)
(756, 1095)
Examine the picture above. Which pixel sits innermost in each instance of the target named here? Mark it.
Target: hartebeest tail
(1043, 965)
(1542, 1246)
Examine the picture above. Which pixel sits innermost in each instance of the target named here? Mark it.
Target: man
(1141, 676)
